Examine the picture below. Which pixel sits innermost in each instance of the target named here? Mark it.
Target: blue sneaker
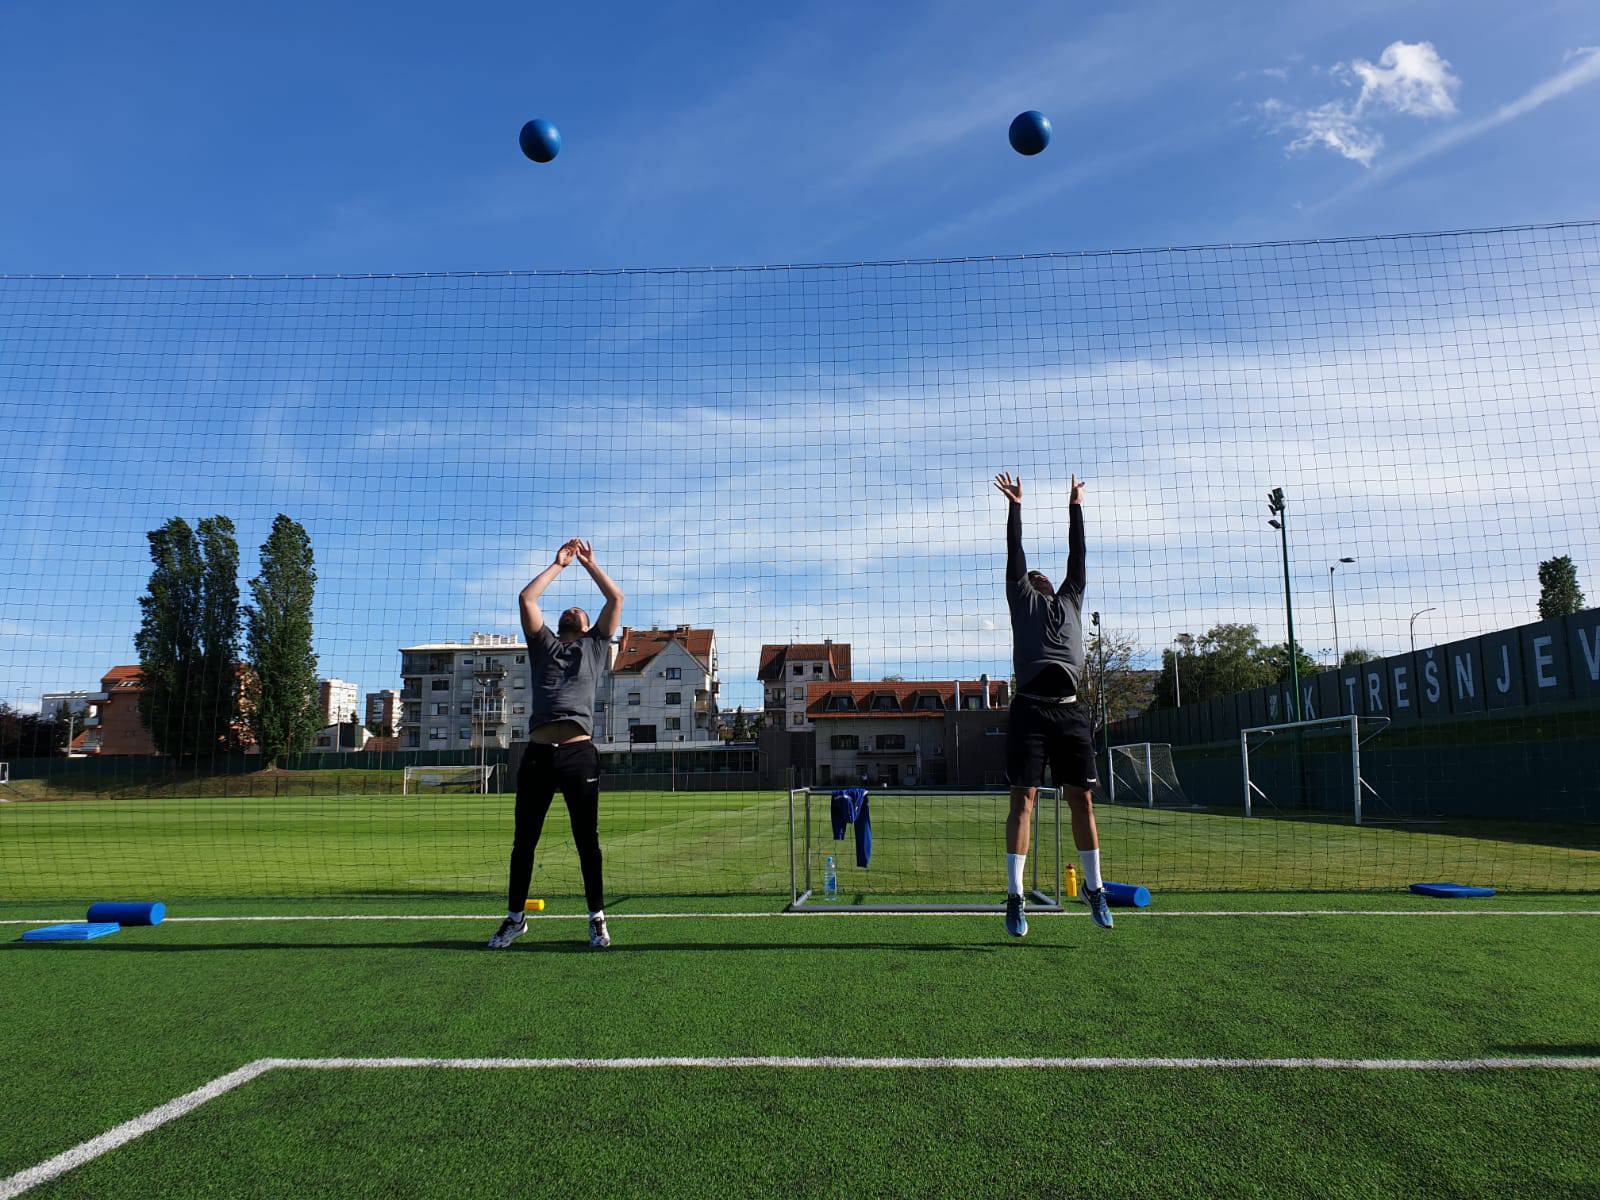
(1098, 908)
(1016, 919)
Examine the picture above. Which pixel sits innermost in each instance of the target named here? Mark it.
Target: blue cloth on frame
(850, 808)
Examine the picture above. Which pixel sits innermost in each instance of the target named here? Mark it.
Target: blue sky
(323, 137)
(799, 453)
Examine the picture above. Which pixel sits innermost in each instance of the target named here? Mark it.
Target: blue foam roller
(1127, 895)
(122, 913)
(1450, 891)
(77, 932)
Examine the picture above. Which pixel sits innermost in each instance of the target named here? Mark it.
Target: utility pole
(1414, 617)
(1280, 522)
(1334, 600)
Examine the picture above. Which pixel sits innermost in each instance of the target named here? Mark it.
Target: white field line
(490, 918)
(126, 1132)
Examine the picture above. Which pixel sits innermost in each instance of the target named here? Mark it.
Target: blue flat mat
(1450, 891)
(79, 931)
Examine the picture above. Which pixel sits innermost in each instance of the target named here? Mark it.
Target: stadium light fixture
(1335, 602)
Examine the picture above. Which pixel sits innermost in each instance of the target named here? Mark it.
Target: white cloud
(1409, 79)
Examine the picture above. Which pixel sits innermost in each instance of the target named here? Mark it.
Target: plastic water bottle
(830, 879)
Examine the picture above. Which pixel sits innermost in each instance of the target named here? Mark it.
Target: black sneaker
(510, 930)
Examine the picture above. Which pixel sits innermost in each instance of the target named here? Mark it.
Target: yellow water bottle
(1071, 891)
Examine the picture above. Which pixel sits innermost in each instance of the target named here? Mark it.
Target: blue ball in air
(1030, 132)
(540, 140)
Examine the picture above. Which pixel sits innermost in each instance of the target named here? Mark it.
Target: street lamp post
(1334, 600)
(1414, 617)
(1280, 522)
(1182, 640)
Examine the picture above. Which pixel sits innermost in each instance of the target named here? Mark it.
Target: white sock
(1091, 869)
(598, 914)
(1014, 873)
(514, 916)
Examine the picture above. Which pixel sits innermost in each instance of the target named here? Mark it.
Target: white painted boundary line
(491, 918)
(121, 1135)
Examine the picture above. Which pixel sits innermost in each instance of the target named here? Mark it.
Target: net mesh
(795, 457)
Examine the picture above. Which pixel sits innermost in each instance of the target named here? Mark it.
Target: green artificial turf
(720, 843)
(94, 1035)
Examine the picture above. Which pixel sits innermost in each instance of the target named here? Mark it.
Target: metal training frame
(800, 901)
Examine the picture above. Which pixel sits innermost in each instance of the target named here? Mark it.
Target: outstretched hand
(1010, 488)
(585, 553)
(1077, 491)
(568, 551)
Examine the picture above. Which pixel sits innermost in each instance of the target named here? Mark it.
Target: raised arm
(532, 617)
(1016, 560)
(1077, 572)
(611, 614)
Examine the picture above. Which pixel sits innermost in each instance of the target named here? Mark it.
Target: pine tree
(1559, 593)
(169, 637)
(283, 685)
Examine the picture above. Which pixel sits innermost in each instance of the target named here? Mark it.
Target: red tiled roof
(639, 646)
(775, 658)
(381, 745)
(123, 678)
(903, 692)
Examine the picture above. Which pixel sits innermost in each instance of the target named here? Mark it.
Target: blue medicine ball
(1030, 132)
(541, 141)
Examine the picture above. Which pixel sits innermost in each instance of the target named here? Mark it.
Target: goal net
(264, 539)
(924, 851)
(449, 779)
(1142, 773)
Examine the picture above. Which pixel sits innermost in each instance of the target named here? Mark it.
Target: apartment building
(336, 700)
(661, 688)
(462, 695)
(910, 734)
(786, 671)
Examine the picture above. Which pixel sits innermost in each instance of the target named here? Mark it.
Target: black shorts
(1055, 734)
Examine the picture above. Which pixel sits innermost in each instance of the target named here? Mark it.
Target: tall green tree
(1355, 656)
(188, 639)
(1559, 593)
(1276, 660)
(1227, 658)
(282, 686)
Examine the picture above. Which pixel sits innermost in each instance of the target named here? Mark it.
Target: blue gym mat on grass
(78, 931)
(1450, 891)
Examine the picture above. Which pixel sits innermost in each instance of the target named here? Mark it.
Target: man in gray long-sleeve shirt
(1047, 724)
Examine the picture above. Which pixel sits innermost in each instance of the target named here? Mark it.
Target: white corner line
(624, 917)
(121, 1135)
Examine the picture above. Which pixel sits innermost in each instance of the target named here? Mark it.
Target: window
(441, 710)
(846, 741)
(437, 734)
(799, 669)
(467, 661)
(841, 704)
(521, 658)
(633, 699)
(518, 709)
(885, 702)
(674, 672)
(520, 683)
(817, 670)
(797, 693)
(466, 735)
(674, 697)
(324, 741)
(633, 722)
(674, 722)
(516, 733)
(465, 710)
(413, 740)
(439, 685)
(799, 719)
(972, 702)
(891, 741)
(929, 701)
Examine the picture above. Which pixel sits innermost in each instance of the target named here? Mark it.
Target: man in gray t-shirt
(561, 754)
(1047, 725)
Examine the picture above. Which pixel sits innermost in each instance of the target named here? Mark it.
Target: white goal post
(5, 772)
(449, 779)
(1144, 773)
(1350, 738)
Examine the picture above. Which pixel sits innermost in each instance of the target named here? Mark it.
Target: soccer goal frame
(1355, 740)
(5, 772)
(1144, 753)
(415, 780)
(800, 897)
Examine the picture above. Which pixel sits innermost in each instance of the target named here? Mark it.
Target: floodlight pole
(1414, 617)
(1276, 505)
(1334, 601)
